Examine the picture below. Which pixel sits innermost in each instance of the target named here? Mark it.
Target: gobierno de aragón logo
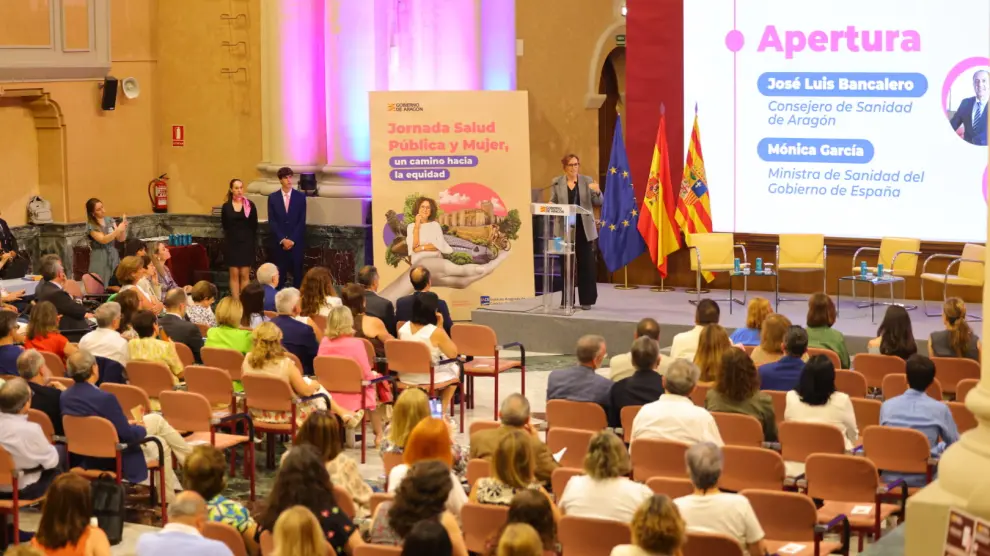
(405, 107)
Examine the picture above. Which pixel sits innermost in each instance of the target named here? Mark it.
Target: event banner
(450, 191)
(850, 118)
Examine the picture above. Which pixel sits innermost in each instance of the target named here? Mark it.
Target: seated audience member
(10, 340)
(252, 298)
(645, 385)
(535, 509)
(422, 327)
(515, 416)
(228, 333)
(894, 335)
(674, 416)
(815, 400)
(914, 409)
(45, 395)
(377, 306)
(365, 325)
(66, 527)
(130, 304)
(302, 480)
(605, 490)
(580, 383)
(269, 358)
(427, 537)
(42, 332)
(621, 366)
(298, 338)
(519, 539)
(686, 343)
(737, 390)
(772, 334)
(105, 341)
(84, 399)
(26, 443)
(298, 533)
(160, 254)
(430, 440)
(205, 474)
(267, 276)
(52, 288)
(200, 311)
(512, 469)
(177, 327)
(148, 346)
(712, 346)
(129, 273)
(148, 283)
(422, 495)
(133, 247)
(657, 529)
(411, 407)
(712, 511)
(339, 340)
(757, 312)
(318, 293)
(821, 335)
(419, 277)
(958, 338)
(183, 534)
(785, 372)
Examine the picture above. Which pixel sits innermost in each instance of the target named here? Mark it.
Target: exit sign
(620, 40)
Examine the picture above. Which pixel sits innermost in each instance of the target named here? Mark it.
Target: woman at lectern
(575, 189)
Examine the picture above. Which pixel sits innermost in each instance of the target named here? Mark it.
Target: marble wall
(342, 249)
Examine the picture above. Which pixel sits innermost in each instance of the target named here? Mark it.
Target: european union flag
(619, 239)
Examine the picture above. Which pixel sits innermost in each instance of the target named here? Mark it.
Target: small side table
(873, 281)
(746, 277)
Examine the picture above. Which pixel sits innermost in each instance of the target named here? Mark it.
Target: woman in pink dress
(339, 341)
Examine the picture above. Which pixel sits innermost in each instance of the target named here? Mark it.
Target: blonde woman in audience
(605, 490)
(513, 469)
(200, 311)
(821, 335)
(298, 533)
(43, 334)
(430, 440)
(159, 256)
(411, 407)
(737, 390)
(757, 312)
(64, 528)
(815, 400)
(268, 357)
(228, 333)
(205, 473)
(713, 344)
(519, 539)
(129, 272)
(657, 530)
(772, 334)
(318, 294)
(958, 338)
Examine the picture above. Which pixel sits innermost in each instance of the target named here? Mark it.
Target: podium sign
(966, 535)
(559, 225)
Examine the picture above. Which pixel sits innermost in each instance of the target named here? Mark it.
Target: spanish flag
(694, 211)
(657, 222)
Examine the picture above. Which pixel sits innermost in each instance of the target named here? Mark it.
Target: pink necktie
(285, 197)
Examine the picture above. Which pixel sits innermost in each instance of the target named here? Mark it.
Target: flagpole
(625, 280)
(661, 288)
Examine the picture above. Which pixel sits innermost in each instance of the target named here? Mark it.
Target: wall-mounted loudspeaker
(109, 101)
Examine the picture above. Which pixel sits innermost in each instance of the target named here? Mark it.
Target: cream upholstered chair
(802, 253)
(969, 274)
(712, 252)
(899, 255)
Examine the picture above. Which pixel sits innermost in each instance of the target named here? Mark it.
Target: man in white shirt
(674, 416)
(105, 341)
(710, 511)
(621, 366)
(183, 534)
(26, 443)
(686, 343)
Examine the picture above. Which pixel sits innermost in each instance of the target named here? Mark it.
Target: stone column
(292, 90)
(962, 479)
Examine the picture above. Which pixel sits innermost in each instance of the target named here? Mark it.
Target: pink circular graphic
(956, 71)
(734, 40)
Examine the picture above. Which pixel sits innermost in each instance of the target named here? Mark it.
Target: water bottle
(558, 244)
(880, 270)
(171, 239)
(862, 269)
(735, 264)
(759, 265)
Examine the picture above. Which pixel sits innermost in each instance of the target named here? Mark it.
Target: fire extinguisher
(158, 193)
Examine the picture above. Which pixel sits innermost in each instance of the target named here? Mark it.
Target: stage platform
(617, 312)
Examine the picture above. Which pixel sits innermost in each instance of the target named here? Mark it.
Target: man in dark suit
(84, 399)
(177, 327)
(297, 337)
(972, 112)
(45, 395)
(73, 314)
(514, 414)
(785, 373)
(376, 305)
(287, 225)
(420, 278)
(268, 277)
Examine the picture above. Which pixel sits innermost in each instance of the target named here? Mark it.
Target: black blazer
(378, 306)
(973, 132)
(184, 332)
(73, 314)
(641, 388)
(46, 400)
(403, 311)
